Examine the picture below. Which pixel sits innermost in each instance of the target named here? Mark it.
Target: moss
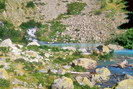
(2, 5)
(4, 84)
(75, 8)
(30, 4)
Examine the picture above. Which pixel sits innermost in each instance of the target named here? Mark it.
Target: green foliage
(30, 24)
(78, 86)
(67, 59)
(4, 49)
(30, 4)
(125, 40)
(2, 5)
(8, 31)
(113, 5)
(105, 56)
(79, 68)
(4, 83)
(75, 8)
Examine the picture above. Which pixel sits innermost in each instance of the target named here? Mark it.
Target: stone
(61, 71)
(86, 63)
(6, 43)
(84, 81)
(87, 82)
(69, 48)
(63, 83)
(33, 43)
(125, 84)
(3, 74)
(102, 74)
(47, 55)
(103, 49)
(115, 47)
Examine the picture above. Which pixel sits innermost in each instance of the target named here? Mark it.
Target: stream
(118, 73)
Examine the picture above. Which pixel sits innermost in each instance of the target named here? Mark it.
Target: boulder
(63, 83)
(102, 49)
(102, 75)
(6, 43)
(69, 48)
(3, 74)
(33, 43)
(125, 84)
(84, 81)
(115, 47)
(86, 63)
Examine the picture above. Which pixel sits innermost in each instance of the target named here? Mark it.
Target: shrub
(30, 4)
(79, 68)
(75, 8)
(30, 24)
(113, 5)
(4, 49)
(2, 5)
(125, 39)
(4, 83)
(8, 31)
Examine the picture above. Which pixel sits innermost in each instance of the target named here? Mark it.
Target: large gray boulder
(86, 63)
(63, 83)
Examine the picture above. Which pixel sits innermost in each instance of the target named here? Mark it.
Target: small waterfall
(31, 34)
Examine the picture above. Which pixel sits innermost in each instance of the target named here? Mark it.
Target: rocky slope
(85, 27)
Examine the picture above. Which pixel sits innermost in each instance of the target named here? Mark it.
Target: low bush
(125, 40)
(2, 5)
(30, 24)
(75, 8)
(8, 31)
(30, 4)
(4, 84)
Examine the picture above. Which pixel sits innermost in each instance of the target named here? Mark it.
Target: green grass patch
(4, 49)
(75, 8)
(30, 4)
(4, 84)
(79, 69)
(2, 5)
(125, 40)
(30, 24)
(8, 31)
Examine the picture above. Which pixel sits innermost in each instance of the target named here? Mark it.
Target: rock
(123, 64)
(84, 81)
(115, 47)
(47, 55)
(87, 82)
(128, 76)
(125, 84)
(103, 49)
(69, 48)
(6, 43)
(33, 43)
(86, 63)
(3, 74)
(63, 83)
(61, 71)
(102, 75)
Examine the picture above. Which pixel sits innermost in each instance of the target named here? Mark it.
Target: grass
(125, 39)
(2, 5)
(75, 8)
(52, 32)
(4, 49)
(114, 6)
(30, 24)
(30, 4)
(79, 69)
(8, 31)
(4, 84)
